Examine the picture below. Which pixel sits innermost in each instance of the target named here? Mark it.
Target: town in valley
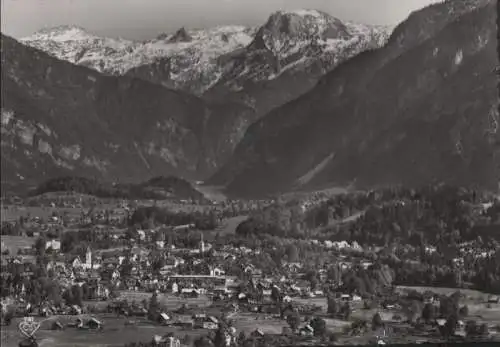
(324, 267)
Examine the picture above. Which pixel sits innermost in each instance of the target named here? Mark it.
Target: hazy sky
(141, 19)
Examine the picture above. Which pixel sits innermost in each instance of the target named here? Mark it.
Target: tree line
(157, 188)
(429, 224)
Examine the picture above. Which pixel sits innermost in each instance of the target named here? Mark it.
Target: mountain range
(59, 118)
(122, 110)
(423, 108)
(261, 67)
(303, 101)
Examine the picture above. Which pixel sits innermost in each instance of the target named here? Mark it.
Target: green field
(115, 332)
(249, 322)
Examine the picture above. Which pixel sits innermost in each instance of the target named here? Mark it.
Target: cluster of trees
(75, 295)
(450, 309)
(143, 218)
(157, 188)
(418, 313)
(403, 222)
(367, 282)
(78, 241)
(40, 286)
(218, 338)
(39, 289)
(415, 216)
(10, 228)
(148, 217)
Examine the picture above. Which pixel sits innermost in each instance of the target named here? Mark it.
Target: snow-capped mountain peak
(190, 55)
(302, 40)
(197, 60)
(304, 24)
(62, 33)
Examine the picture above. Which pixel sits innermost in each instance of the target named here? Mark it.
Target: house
(253, 271)
(76, 310)
(137, 253)
(249, 269)
(175, 288)
(211, 323)
(76, 263)
(57, 266)
(217, 272)
(229, 337)
(110, 274)
(428, 299)
(306, 330)
(202, 321)
(356, 298)
(319, 293)
(193, 291)
(302, 286)
(164, 318)
(493, 299)
(257, 333)
(54, 245)
(170, 264)
(345, 298)
(366, 264)
(441, 322)
(323, 275)
(168, 341)
(186, 322)
(141, 234)
(293, 267)
(184, 227)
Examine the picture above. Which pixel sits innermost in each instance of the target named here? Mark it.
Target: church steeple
(88, 256)
(202, 244)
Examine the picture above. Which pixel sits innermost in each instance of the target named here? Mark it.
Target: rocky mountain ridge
(284, 56)
(122, 118)
(289, 54)
(59, 118)
(421, 109)
(185, 59)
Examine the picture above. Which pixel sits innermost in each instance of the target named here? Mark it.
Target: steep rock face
(288, 55)
(421, 109)
(261, 68)
(59, 118)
